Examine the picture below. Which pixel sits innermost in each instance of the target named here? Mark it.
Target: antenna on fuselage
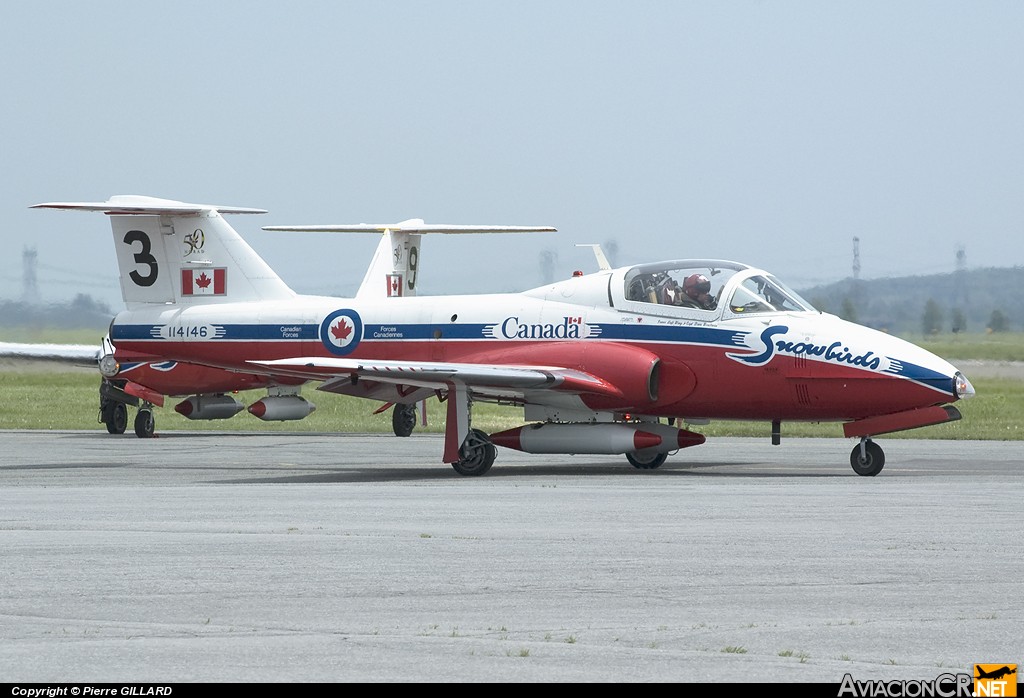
(602, 261)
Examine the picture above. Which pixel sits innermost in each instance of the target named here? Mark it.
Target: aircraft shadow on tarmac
(431, 474)
(424, 470)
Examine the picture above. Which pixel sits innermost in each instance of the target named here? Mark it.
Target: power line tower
(611, 251)
(960, 300)
(856, 258)
(548, 260)
(854, 302)
(29, 282)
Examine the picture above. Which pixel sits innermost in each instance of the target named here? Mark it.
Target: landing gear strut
(470, 451)
(867, 458)
(476, 455)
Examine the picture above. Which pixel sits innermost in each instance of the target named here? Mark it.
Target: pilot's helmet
(696, 285)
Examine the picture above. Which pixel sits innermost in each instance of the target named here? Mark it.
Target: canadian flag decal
(204, 282)
(394, 285)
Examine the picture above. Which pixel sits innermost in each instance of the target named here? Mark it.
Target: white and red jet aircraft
(602, 363)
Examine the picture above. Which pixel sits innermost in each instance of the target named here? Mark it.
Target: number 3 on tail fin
(142, 257)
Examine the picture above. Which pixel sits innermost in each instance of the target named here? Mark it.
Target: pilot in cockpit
(697, 292)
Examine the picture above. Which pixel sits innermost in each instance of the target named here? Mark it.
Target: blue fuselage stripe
(422, 331)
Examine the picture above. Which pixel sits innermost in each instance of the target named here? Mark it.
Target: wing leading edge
(433, 374)
(65, 353)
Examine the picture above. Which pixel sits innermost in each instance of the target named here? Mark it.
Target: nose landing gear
(867, 458)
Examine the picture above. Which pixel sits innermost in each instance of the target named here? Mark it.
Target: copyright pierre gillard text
(55, 691)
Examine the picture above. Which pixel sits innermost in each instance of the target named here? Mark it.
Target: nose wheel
(867, 458)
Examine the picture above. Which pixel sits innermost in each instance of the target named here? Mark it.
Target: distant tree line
(969, 301)
(82, 312)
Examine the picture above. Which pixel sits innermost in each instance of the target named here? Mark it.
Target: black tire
(646, 462)
(871, 463)
(477, 453)
(117, 418)
(403, 419)
(145, 424)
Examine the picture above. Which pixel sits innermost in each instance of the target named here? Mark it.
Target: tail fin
(173, 252)
(394, 270)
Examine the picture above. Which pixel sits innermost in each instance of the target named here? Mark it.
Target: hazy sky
(766, 132)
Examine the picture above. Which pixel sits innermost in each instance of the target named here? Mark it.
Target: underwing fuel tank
(596, 438)
(209, 407)
(282, 408)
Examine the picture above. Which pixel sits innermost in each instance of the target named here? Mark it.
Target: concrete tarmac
(227, 557)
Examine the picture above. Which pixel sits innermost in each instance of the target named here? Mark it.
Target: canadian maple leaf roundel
(342, 331)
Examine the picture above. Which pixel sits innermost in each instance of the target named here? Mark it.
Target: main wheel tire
(477, 454)
(403, 419)
(646, 462)
(871, 463)
(117, 418)
(145, 424)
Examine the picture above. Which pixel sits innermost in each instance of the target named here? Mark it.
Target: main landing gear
(115, 416)
(867, 458)
(646, 462)
(403, 419)
(114, 403)
(476, 455)
(114, 410)
(145, 424)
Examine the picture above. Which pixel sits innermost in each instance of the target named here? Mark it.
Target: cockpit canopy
(713, 286)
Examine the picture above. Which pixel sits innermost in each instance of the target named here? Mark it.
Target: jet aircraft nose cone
(963, 387)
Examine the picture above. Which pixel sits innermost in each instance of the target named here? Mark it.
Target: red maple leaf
(342, 330)
(203, 281)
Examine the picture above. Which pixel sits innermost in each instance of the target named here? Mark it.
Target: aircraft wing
(438, 374)
(84, 354)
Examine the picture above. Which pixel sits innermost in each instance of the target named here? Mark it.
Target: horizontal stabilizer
(130, 204)
(395, 267)
(413, 225)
